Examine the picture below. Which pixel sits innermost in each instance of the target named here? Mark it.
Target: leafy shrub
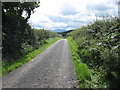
(98, 46)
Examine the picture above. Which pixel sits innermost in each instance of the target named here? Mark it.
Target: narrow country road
(53, 68)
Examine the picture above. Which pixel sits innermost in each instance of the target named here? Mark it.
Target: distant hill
(62, 31)
(59, 30)
(65, 33)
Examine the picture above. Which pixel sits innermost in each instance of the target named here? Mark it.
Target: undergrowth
(87, 77)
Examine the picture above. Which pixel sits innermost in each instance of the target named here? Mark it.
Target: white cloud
(70, 14)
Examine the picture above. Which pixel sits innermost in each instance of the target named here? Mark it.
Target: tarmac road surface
(53, 68)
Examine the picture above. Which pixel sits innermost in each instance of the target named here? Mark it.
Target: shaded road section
(53, 68)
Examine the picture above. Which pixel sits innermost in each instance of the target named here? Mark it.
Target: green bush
(98, 46)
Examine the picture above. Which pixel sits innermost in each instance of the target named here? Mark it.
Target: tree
(15, 26)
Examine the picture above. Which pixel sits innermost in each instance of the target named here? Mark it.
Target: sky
(71, 14)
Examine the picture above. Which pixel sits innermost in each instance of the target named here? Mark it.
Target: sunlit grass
(81, 69)
(87, 77)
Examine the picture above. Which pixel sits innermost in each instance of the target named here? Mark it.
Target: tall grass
(81, 69)
(87, 77)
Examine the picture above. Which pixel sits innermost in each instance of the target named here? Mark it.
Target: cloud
(70, 14)
(57, 18)
(103, 8)
(99, 8)
(68, 9)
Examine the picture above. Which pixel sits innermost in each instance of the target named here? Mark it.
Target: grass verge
(82, 71)
(8, 67)
(87, 77)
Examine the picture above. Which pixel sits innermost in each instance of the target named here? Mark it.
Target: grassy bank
(87, 77)
(81, 69)
(10, 66)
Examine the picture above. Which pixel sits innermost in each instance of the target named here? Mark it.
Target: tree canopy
(17, 33)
